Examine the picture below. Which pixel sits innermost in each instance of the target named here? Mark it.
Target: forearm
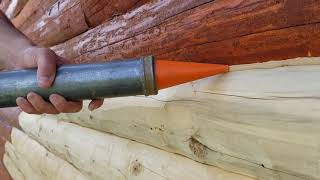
(12, 41)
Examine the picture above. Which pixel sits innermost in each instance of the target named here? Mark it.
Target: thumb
(47, 66)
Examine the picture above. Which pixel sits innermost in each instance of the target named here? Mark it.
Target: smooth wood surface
(213, 32)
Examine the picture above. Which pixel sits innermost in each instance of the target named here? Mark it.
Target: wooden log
(255, 121)
(62, 21)
(27, 159)
(100, 155)
(15, 7)
(32, 11)
(97, 11)
(5, 131)
(126, 26)
(202, 26)
(4, 4)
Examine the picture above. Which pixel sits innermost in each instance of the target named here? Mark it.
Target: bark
(210, 32)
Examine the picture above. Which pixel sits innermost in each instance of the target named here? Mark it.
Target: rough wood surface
(100, 155)
(99, 11)
(15, 7)
(32, 11)
(169, 34)
(4, 4)
(259, 122)
(60, 22)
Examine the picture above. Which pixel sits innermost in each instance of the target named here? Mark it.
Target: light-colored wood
(259, 122)
(103, 156)
(27, 159)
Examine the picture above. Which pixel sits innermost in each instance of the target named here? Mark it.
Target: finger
(62, 60)
(40, 104)
(46, 68)
(95, 104)
(25, 106)
(64, 106)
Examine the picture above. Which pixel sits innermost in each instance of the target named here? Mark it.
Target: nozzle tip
(172, 73)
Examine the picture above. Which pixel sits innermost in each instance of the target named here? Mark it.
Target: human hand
(46, 61)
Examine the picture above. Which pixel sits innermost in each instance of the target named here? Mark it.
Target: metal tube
(84, 81)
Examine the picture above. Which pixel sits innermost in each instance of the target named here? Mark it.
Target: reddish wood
(301, 41)
(99, 11)
(15, 7)
(59, 23)
(32, 11)
(4, 4)
(216, 21)
(126, 26)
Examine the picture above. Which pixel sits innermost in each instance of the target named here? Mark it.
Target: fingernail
(44, 81)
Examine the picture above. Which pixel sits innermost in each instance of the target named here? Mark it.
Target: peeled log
(34, 162)
(258, 122)
(149, 30)
(5, 131)
(100, 155)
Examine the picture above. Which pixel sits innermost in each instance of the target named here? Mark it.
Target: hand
(46, 61)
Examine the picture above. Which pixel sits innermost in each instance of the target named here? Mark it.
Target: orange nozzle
(172, 73)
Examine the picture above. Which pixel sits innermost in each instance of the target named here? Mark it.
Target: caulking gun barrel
(84, 81)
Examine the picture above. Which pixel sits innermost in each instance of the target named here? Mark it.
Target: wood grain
(151, 31)
(99, 11)
(256, 121)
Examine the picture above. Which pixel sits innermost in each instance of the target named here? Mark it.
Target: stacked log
(225, 32)
(61, 20)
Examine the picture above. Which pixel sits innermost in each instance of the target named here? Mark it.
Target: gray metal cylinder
(84, 81)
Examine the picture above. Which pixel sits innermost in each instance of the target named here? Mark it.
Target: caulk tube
(85, 81)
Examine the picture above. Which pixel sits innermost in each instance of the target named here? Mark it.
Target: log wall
(211, 31)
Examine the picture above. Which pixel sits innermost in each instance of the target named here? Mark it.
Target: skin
(18, 52)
